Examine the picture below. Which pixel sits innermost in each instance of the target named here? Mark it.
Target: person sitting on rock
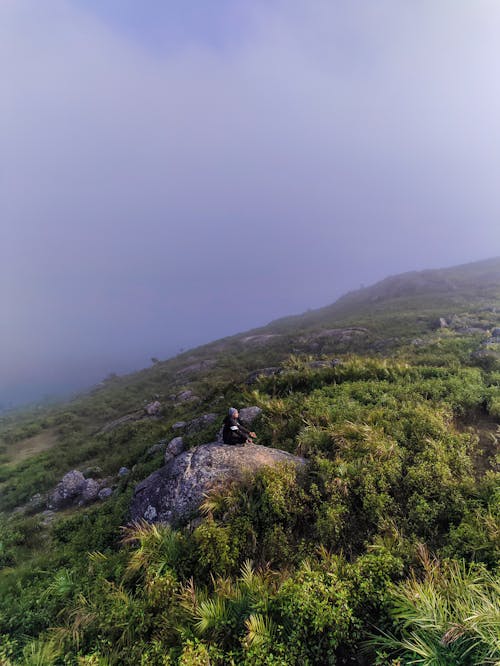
(234, 432)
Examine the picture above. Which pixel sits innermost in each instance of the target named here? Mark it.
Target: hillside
(392, 394)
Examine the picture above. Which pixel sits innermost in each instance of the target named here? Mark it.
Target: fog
(171, 174)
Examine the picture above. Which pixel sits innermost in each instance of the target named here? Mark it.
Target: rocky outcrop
(75, 490)
(67, 490)
(173, 493)
(186, 396)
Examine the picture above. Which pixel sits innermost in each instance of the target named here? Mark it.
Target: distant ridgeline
(363, 528)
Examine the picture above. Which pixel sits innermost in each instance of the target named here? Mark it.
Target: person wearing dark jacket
(234, 432)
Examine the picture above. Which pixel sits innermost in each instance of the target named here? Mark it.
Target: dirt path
(26, 448)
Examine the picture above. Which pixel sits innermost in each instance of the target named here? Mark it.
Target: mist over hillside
(445, 287)
(375, 473)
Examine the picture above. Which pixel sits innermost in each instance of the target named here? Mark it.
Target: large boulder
(248, 414)
(89, 492)
(173, 493)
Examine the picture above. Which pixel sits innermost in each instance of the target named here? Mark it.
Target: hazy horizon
(176, 175)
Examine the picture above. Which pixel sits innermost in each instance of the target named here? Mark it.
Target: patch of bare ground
(487, 429)
(26, 448)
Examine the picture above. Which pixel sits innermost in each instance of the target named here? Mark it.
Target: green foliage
(400, 436)
(449, 617)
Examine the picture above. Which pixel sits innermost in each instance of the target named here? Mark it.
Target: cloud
(153, 199)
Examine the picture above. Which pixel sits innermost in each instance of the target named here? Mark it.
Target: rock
(123, 471)
(175, 446)
(197, 367)
(179, 425)
(263, 372)
(150, 513)
(67, 490)
(249, 414)
(174, 492)
(104, 493)
(495, 332)
(186, 396)
(153, 409)
(200, 422)
(89, 492)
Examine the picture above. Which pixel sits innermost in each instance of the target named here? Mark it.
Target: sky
(172, 172)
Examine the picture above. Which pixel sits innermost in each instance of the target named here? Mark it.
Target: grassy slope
(394, 312)
(386, 425)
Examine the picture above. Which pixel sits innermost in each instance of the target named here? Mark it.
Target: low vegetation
(383, 550)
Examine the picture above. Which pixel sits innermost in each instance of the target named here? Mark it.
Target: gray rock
(249, 414)
(123, 471)
(89, 492)
(174, 492)
(186, 396)
(175, 446)
(67, 490)
(179, 425)
(150, 514)
(104, 493)
(153, 409)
